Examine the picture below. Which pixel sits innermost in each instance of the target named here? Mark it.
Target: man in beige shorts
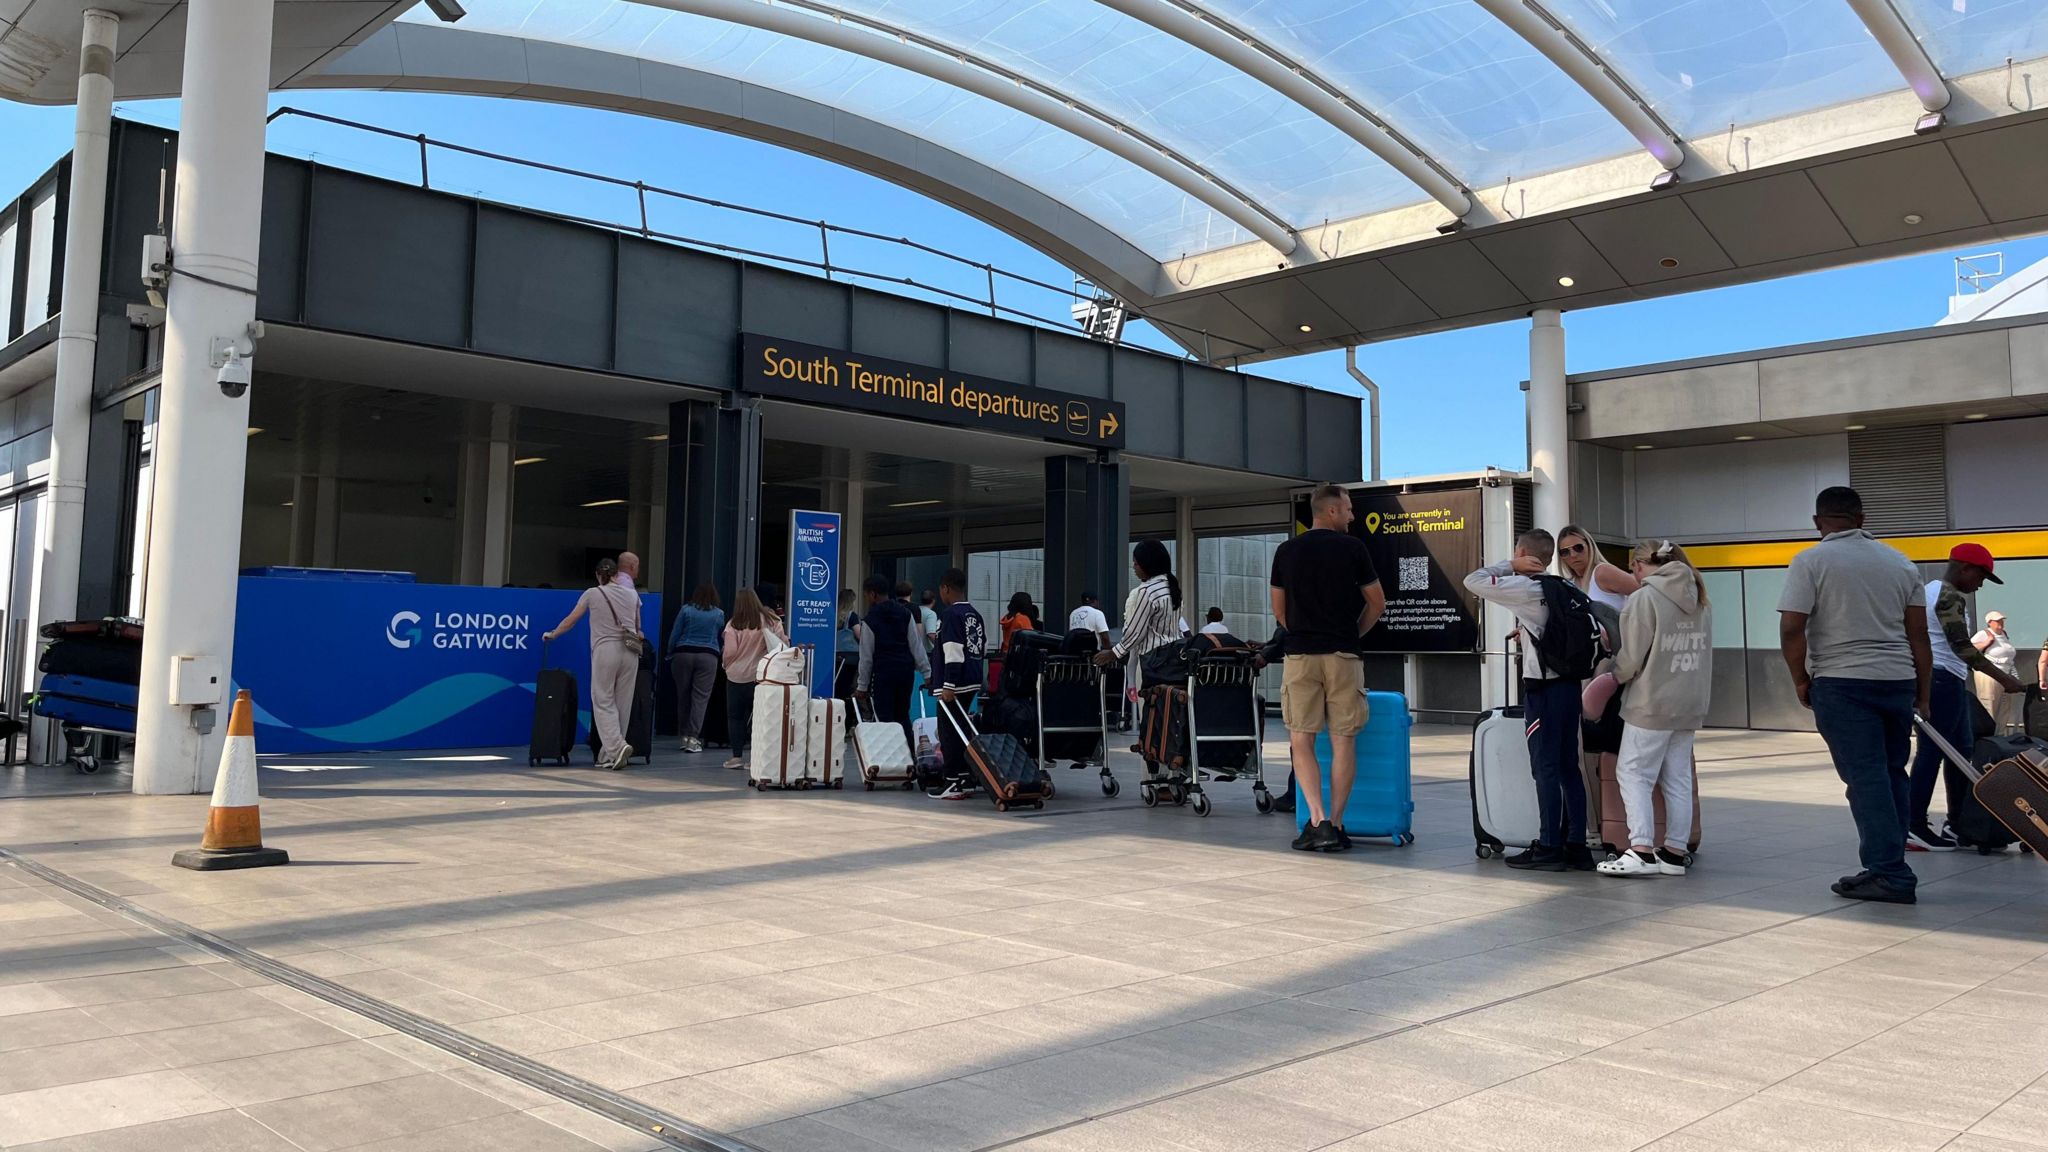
(1326, 595)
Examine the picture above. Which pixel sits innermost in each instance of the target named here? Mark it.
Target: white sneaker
(736, 763)
(1628, 864)
(621, 758)
(952, 791)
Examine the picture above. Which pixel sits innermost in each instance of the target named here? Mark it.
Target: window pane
(1761, 588)
(1964, 36)
(40, 298)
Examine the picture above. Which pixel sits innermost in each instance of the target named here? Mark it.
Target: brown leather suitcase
(1614, 816)
(2015, 790)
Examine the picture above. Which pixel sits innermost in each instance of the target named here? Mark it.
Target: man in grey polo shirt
(1853, 625)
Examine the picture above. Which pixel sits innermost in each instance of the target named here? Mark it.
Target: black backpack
(1572, 642)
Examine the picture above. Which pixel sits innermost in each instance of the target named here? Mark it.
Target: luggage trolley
(1226, 732)
(90, 672)
(1073, 724)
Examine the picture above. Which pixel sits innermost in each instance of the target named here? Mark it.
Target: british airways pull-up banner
(814, 591)
(343, 665)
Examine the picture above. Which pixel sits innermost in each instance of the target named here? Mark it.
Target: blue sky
(1450, 401)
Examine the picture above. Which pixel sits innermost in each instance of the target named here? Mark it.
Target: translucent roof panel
(1706, 64)
(1151, 214)
(1448, 76)
(1262, 143)
(1964, 36)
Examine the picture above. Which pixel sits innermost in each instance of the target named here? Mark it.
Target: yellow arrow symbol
(1108, 425)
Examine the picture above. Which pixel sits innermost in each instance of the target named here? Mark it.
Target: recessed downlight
(1745, 437)
(1565, 281)
(1668, 262)
(1912, 218)
(1644, 447)
(1308, 328)
(1977, 416)
(1854, 427)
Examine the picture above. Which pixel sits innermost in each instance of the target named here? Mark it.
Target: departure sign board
(787, 370)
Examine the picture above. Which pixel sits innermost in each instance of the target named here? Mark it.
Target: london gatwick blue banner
(814, 591)
(341, 665)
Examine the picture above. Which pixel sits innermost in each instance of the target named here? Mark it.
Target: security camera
(234, 376)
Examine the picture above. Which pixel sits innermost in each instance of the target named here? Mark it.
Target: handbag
(636, 644)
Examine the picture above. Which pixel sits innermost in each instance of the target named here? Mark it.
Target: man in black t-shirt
(1326, 595)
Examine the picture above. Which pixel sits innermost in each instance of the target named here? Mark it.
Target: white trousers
(1653, 760)
(613, 674)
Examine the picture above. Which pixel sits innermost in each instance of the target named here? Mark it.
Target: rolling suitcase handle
(1948, 750)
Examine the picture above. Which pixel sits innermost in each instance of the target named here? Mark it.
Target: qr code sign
(1414, 575)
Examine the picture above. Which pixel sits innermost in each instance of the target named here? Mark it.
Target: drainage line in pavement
(671, 1130)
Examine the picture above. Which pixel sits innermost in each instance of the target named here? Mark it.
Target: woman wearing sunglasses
(1609, 588)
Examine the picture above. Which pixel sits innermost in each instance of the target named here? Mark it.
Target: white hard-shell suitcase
(882, 749)
(782, 728)
(825, 750)
(1504, 809)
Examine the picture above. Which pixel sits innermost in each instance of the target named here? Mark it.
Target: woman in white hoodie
(1666, 669)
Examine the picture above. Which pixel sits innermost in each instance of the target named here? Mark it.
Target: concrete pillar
(1192, 606)
(202, 453)
(63, 527)
(1068, 539)
(714, 500)
(1109, 499)
(1549, 426)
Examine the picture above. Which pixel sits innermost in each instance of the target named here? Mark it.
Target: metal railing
(823, 264)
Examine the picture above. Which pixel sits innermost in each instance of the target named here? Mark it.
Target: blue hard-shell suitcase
(1382, 803)
(87, 702)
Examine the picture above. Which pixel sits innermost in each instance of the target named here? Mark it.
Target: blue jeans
(1948, 709)
(1868, 726)
(1551, 709)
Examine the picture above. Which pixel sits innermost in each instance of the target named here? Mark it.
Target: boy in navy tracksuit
(962, 646)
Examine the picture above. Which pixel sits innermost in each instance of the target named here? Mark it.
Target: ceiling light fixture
(253, 430)
(1565, 281)
(1977, 416)
(1644, 447)
(658, 436)
(914, 504)
(1931, 122)
(523, 461)
(1745, 437)
(603, 503)
(1912, 217)
(1307, 328)
(1663, 180)
(1668, 262)
(1854, 427)
(287, 503)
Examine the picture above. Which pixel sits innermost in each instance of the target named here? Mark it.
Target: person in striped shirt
(1152, 620)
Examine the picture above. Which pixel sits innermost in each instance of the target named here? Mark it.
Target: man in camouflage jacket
(1951, 703)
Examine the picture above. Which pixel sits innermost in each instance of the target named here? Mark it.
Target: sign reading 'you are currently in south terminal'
(789, 370)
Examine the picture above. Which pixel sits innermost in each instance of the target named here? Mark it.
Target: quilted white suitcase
(825, 750)
(1504, 809)
(882, 750)
(782, 729)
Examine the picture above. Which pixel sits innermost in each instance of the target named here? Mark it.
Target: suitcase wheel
(839, 783)
(871, 785)
(1050, 791)
(1404, 839)
(1002, 805)
(909, 784)
(1202, 807)
(1483, 851)
(533, 761)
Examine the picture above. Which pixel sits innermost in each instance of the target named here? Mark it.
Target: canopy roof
(1206, 152)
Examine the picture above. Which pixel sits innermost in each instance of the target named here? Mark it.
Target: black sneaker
(1343, 841)
(1329, 838)
(1925, 839)
(1876, 890)
(1284, 802)
(1578, 858)
(1537, 858)
(1307, 841)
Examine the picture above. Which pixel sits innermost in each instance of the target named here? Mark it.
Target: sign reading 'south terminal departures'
(793, 371)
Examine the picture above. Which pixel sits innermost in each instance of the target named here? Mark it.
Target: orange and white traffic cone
(234, 831)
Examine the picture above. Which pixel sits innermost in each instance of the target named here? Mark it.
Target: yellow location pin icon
(1372, 521)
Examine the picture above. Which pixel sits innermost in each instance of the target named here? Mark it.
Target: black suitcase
(2034, 713)
(1011, 776)
(639, 721)
(94, 657)
(554, 715)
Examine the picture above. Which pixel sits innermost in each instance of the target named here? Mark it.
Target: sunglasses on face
(1574, 549)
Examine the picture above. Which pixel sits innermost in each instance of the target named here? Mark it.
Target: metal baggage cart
(1218, 675)
(1069, 679)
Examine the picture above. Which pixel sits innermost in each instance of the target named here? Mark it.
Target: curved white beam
(1548, 35)
(1899, 43)
(1242, 50)
(911, 52)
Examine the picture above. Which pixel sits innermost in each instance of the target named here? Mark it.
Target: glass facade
(994, 577)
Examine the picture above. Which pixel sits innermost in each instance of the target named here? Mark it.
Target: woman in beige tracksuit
(1666, 669)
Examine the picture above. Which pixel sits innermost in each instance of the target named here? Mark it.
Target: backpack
(1573, 642)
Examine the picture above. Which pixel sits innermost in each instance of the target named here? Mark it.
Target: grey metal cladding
(1149, 387)
(1274, 420)
(897, 328)
(280, 260)
(1073, 364)
(543, 289)
(1213, 404)
(678, 313)
(984, 346)
(1336, 428)
(792, 306)
(387, 260)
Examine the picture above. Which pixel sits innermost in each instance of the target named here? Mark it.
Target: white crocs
(1627, 864)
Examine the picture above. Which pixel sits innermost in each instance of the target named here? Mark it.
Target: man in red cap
(1950, 634)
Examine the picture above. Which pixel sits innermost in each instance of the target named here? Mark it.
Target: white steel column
(201, 450)
(63, 528)
(1549, 427)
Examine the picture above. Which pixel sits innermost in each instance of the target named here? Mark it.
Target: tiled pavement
(860, 972)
